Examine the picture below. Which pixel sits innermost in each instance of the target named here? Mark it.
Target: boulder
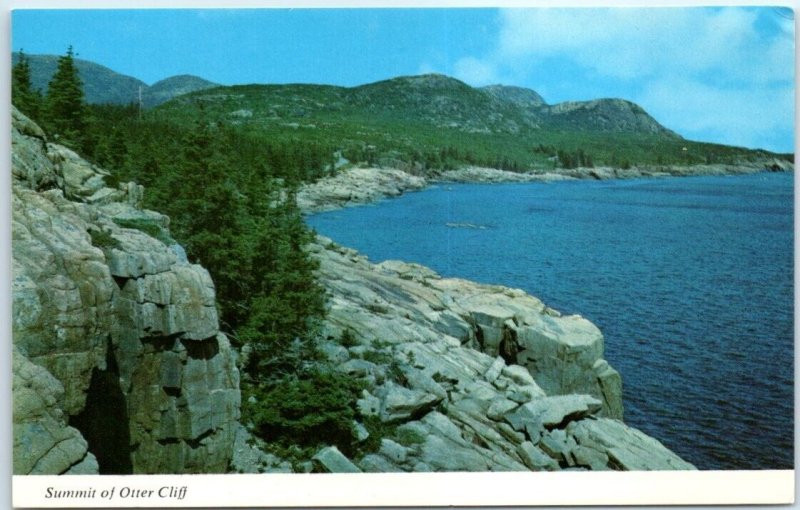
(331, 460)
(590, 458)
(368, 404)
(499, 407)
(400, 404)
(373, 463)
(558, 445)
(564, 354)
(393, 451)
(494, 370)
(625, 446)
(553, 411)
(43, 442)
(535, 458)
(443, 455)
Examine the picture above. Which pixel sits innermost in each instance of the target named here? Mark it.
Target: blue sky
(715, 74)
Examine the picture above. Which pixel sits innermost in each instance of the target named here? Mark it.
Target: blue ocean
(690, 280)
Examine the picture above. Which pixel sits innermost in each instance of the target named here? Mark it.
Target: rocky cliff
(119, 365)
(473, 377)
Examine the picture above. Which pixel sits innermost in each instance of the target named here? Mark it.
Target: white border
(408, 489)
(415, 489)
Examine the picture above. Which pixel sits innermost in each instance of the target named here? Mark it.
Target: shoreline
(362, 186)
(415, 272)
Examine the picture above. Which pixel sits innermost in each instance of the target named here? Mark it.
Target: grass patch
(348, 338)
(103, 240)
(147, 226)
(408, 436)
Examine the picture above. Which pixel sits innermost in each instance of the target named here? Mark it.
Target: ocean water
(690, 280)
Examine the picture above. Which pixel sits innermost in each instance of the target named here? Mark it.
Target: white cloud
(718, 70)
(743, 117)
(632, 42)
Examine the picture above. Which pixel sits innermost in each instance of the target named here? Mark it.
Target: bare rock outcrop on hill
(473, 377)
(121, 330)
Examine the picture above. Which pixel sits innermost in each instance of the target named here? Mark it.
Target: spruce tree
(65, 108)
(23, 96)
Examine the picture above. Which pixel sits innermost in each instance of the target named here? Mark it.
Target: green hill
(419, 123)
(101, 85)
(429, 122)
(164, 90)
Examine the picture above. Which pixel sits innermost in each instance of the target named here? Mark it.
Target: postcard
(372, 254)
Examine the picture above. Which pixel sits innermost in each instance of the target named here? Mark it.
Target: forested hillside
(231, 200)
(424, 124)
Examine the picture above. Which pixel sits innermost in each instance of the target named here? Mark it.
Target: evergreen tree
(23, 96)
(65, 114)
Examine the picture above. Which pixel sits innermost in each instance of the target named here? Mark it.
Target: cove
(690, 279)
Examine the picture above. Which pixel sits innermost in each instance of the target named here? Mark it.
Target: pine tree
(65, 114)
(23, 96)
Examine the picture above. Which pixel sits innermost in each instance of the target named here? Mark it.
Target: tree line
(61, 110)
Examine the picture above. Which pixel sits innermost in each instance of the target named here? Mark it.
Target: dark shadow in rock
(201, 349)
(104, 420)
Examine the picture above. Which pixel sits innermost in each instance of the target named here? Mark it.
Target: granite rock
(94, 301)
(450, 396)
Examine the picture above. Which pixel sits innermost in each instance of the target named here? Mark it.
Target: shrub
(112, 180)
(348, 338)
(103, 240)
(149, 227)
(378, 357)
(408, 436)
(377, 430)
(316, 408)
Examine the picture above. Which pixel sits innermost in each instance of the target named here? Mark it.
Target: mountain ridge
(104, 85)
(423, 123)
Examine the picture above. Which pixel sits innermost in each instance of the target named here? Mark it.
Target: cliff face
(474, 377)
(111, 326)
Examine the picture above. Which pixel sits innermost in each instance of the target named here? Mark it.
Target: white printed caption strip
(408, 489)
